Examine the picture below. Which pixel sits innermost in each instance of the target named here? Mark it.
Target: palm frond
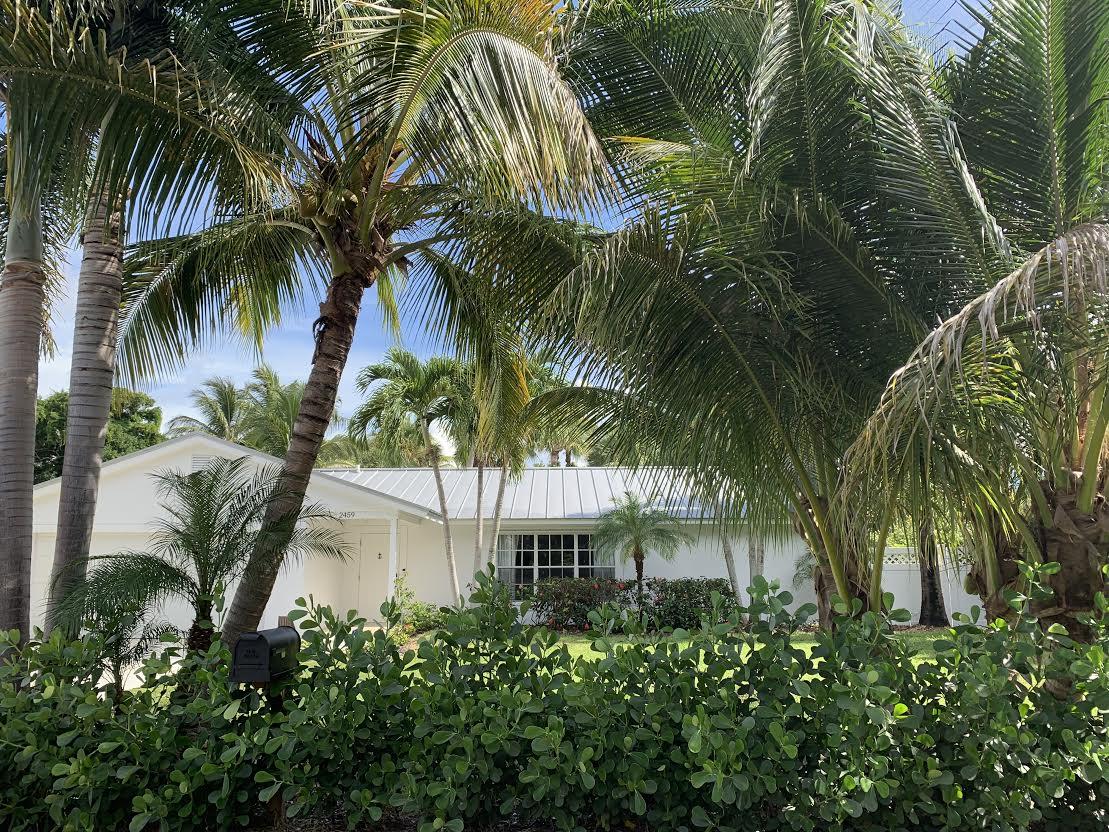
(232, 279)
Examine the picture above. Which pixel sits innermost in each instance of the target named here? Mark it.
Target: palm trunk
(497, 512)
(448, 542)
(95, 327)
(637, 557)
(932, 610)
(22, 307)
(729, 561)
(201, 633)
(569, 458)
(1076, 541)
(823, 588)
(756, 556)
(334, 335)
(479, 519)
(554, 457)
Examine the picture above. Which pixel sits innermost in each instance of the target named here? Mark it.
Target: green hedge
(669, 603)
(722, 728)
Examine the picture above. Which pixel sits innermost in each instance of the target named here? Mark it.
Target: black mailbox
(266, 655)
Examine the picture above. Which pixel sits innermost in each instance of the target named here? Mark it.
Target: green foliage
(723, 728)
(260, 414)
(212, 524)
(565, 603)
(135, 423)
(414, 616)
(684, 602)
(668, 603)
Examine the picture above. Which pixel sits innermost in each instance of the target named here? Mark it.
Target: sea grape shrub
(1001, 727)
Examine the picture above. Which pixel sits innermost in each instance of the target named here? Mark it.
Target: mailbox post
(259, 659)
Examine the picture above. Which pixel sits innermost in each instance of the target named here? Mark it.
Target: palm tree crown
(633, 529)
(221, 405)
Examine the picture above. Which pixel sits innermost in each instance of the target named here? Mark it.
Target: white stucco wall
(424, 566)
(128, 507)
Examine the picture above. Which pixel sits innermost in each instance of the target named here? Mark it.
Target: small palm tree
(213, 521)
(633, 528)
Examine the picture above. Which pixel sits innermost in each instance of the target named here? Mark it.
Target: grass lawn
(581, 645)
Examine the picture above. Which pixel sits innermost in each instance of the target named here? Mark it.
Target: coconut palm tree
(156, 126)
(423, 117)
(633, 529)
(996, 426)
(213, 519)
(222, 406)
(795, 247)
(403, 388)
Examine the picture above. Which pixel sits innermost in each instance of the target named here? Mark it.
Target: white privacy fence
(901, 576)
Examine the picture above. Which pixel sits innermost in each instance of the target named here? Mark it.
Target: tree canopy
(135, 423)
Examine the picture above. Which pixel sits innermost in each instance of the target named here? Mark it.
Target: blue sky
(289, 348)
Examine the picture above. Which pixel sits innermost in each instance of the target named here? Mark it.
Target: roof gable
(174, 452)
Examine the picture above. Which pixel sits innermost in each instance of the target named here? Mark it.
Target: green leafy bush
(722, 728)
(565, 603)
(683, 602)
(669, 603)
(415, 616)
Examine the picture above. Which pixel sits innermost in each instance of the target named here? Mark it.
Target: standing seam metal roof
(537, 494)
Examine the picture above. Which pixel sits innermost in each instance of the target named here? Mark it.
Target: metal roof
(537, 494)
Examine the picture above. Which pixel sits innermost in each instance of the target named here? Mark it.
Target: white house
(393, 523)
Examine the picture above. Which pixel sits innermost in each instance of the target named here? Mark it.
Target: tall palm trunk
(933, 612)
(729, 561)
(554, 457)
(824, 587)
(498, 508)
(22, 307)
(479, 518)
(95, 327)
(1076, 541)
(448, 540)
(756, 556)
(334, 331)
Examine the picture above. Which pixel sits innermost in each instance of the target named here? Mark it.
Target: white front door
(373, 575)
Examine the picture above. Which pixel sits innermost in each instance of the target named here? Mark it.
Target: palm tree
(271, 411)
(423, 118)
(222, 407)
(513, 426)
(125, 636)
(403, 447)
(633, 529)
(213, 520)
(157, 123)
(259, 415)
(795, 247)
(994, 431)
(404, 388)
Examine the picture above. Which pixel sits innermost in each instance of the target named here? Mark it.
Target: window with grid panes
(527, 557)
